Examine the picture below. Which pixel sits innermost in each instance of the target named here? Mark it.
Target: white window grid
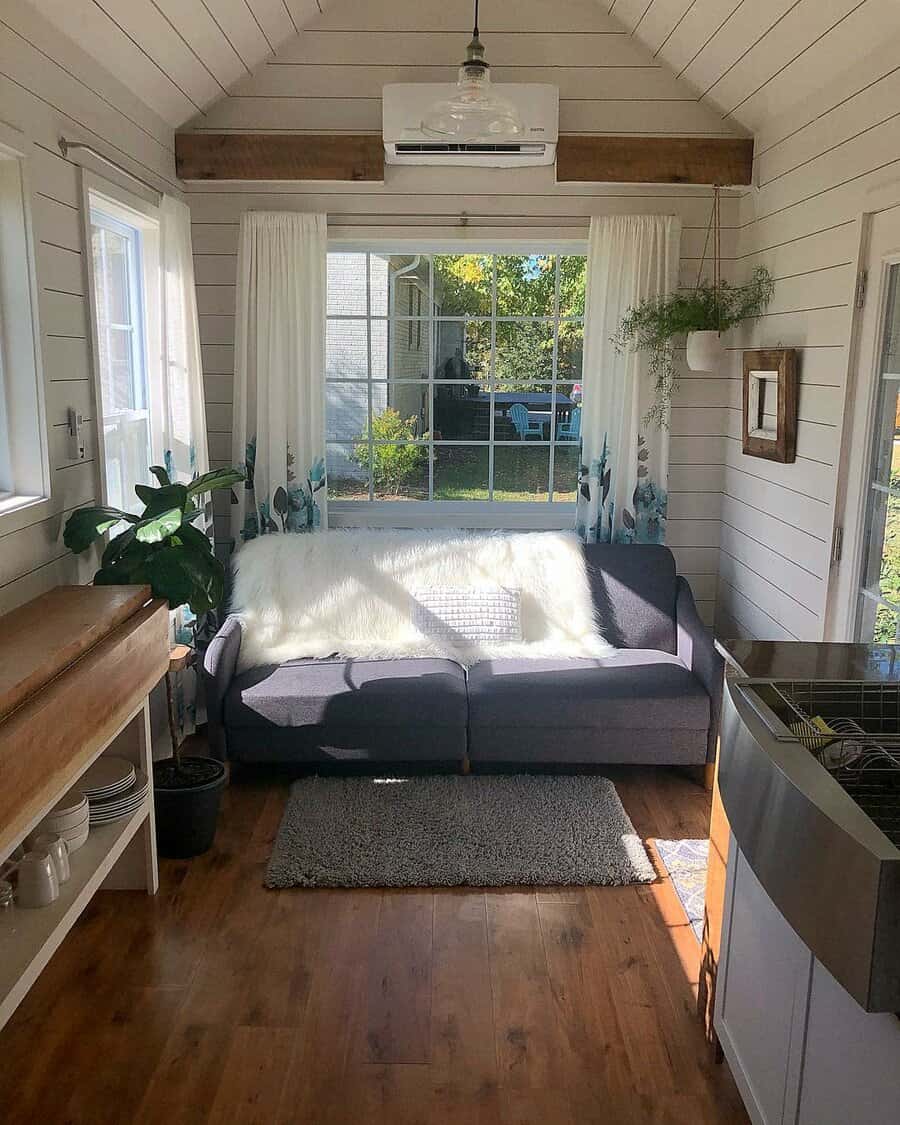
(491, 443)
(134, 301)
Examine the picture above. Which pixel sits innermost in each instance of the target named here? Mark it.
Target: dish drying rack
(853, 729)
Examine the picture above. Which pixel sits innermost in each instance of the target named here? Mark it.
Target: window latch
(76, 435)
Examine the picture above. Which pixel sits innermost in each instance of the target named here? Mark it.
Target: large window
(125, 292)
(454, 377)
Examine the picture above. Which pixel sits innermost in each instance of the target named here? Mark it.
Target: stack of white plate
(107, 777)
(124, 799)
(69, 819)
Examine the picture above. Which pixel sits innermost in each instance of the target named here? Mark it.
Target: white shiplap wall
(819, 167)
(50, 88)
(329, 79)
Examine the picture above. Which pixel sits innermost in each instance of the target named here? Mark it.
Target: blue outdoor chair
(525, 428)
(571, 430)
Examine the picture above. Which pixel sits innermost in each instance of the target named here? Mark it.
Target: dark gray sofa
(656, 702)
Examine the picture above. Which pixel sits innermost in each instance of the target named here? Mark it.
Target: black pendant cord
(475, 32)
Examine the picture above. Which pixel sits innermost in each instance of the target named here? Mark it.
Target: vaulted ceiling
(754, 59)
(745, 59)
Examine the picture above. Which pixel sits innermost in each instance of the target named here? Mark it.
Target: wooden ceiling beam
(360, 157)
(727, 161)
(279, 156)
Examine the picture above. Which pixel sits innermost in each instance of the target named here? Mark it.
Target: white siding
(819, 168)
(49, 88)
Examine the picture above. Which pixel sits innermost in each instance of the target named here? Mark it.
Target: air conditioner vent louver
(405, 142)
(440, 147)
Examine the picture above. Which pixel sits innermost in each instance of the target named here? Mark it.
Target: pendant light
(474, 112)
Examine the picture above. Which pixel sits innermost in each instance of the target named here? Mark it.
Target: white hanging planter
(705, 351)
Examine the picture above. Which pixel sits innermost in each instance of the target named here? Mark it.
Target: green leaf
(218, 478)
(191, 537)
(160, 473)
(210, 578)
(184, 575)
(164, 499)
(191, 514)
(85, 525)
(146, 493)
(159, 527)
(116, 546)
(170, 577)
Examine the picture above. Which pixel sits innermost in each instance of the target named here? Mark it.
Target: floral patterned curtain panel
(622, 494)
(279, 374)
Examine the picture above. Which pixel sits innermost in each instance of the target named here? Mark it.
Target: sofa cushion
(344, 693)
(637, 689)
(634, 587)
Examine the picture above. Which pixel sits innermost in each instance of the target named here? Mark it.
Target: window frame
(519, 514)
(25, 478)
(129, 211)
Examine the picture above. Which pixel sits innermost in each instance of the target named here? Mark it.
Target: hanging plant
(701, 315)
(656, 324)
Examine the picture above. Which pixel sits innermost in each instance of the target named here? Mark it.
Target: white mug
(59, 853)
(38, 885)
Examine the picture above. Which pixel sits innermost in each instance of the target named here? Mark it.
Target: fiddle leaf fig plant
(656, 323)
(160, 547)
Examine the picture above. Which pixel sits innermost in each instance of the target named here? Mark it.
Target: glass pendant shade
(474, 112)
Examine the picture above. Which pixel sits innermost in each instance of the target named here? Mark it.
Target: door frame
(860, 404)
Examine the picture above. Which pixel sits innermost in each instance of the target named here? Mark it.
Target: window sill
(10, 502)
(474, 514)
(21, 511)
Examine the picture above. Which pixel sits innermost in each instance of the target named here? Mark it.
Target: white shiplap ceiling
(746, 59)
(754, 59)
(179, 56)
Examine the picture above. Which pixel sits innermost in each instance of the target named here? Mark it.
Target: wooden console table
(76, 669)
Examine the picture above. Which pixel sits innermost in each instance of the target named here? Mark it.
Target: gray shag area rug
(449, 831)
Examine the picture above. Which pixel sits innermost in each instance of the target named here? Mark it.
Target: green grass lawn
(521, 474)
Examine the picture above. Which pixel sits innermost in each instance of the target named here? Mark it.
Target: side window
(24, 473)
(125, 299)
(121, 357)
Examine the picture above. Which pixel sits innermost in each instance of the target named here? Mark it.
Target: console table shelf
(76, 669)
(29, 938)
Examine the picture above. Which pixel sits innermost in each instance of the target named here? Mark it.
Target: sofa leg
(703, 775)
(465, 765)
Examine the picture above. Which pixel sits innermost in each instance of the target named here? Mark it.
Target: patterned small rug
(686, 861)
(449, 831)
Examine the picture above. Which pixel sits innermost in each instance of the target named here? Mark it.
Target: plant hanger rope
(714, 228)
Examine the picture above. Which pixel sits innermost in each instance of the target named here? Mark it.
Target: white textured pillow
(468, 616)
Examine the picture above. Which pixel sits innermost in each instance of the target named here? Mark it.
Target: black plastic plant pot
(187, 805)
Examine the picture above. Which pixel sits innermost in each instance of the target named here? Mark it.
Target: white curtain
(279, 373)
(182, 410)
(622, 494)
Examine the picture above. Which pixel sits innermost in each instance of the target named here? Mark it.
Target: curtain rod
(66, 146)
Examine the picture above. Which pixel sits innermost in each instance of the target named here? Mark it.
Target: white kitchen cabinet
(801, 1049)
(761, 997)
(851, 1065)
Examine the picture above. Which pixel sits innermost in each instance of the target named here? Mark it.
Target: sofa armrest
(219, 664)
(697, 651)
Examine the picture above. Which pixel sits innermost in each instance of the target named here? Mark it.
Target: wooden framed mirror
(770, 404)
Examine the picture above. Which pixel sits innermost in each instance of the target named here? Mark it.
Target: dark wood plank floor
(219, 1001)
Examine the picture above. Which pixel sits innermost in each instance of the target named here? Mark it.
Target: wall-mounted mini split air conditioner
(406, 143)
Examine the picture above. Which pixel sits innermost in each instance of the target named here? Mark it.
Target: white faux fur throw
(349, 593)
